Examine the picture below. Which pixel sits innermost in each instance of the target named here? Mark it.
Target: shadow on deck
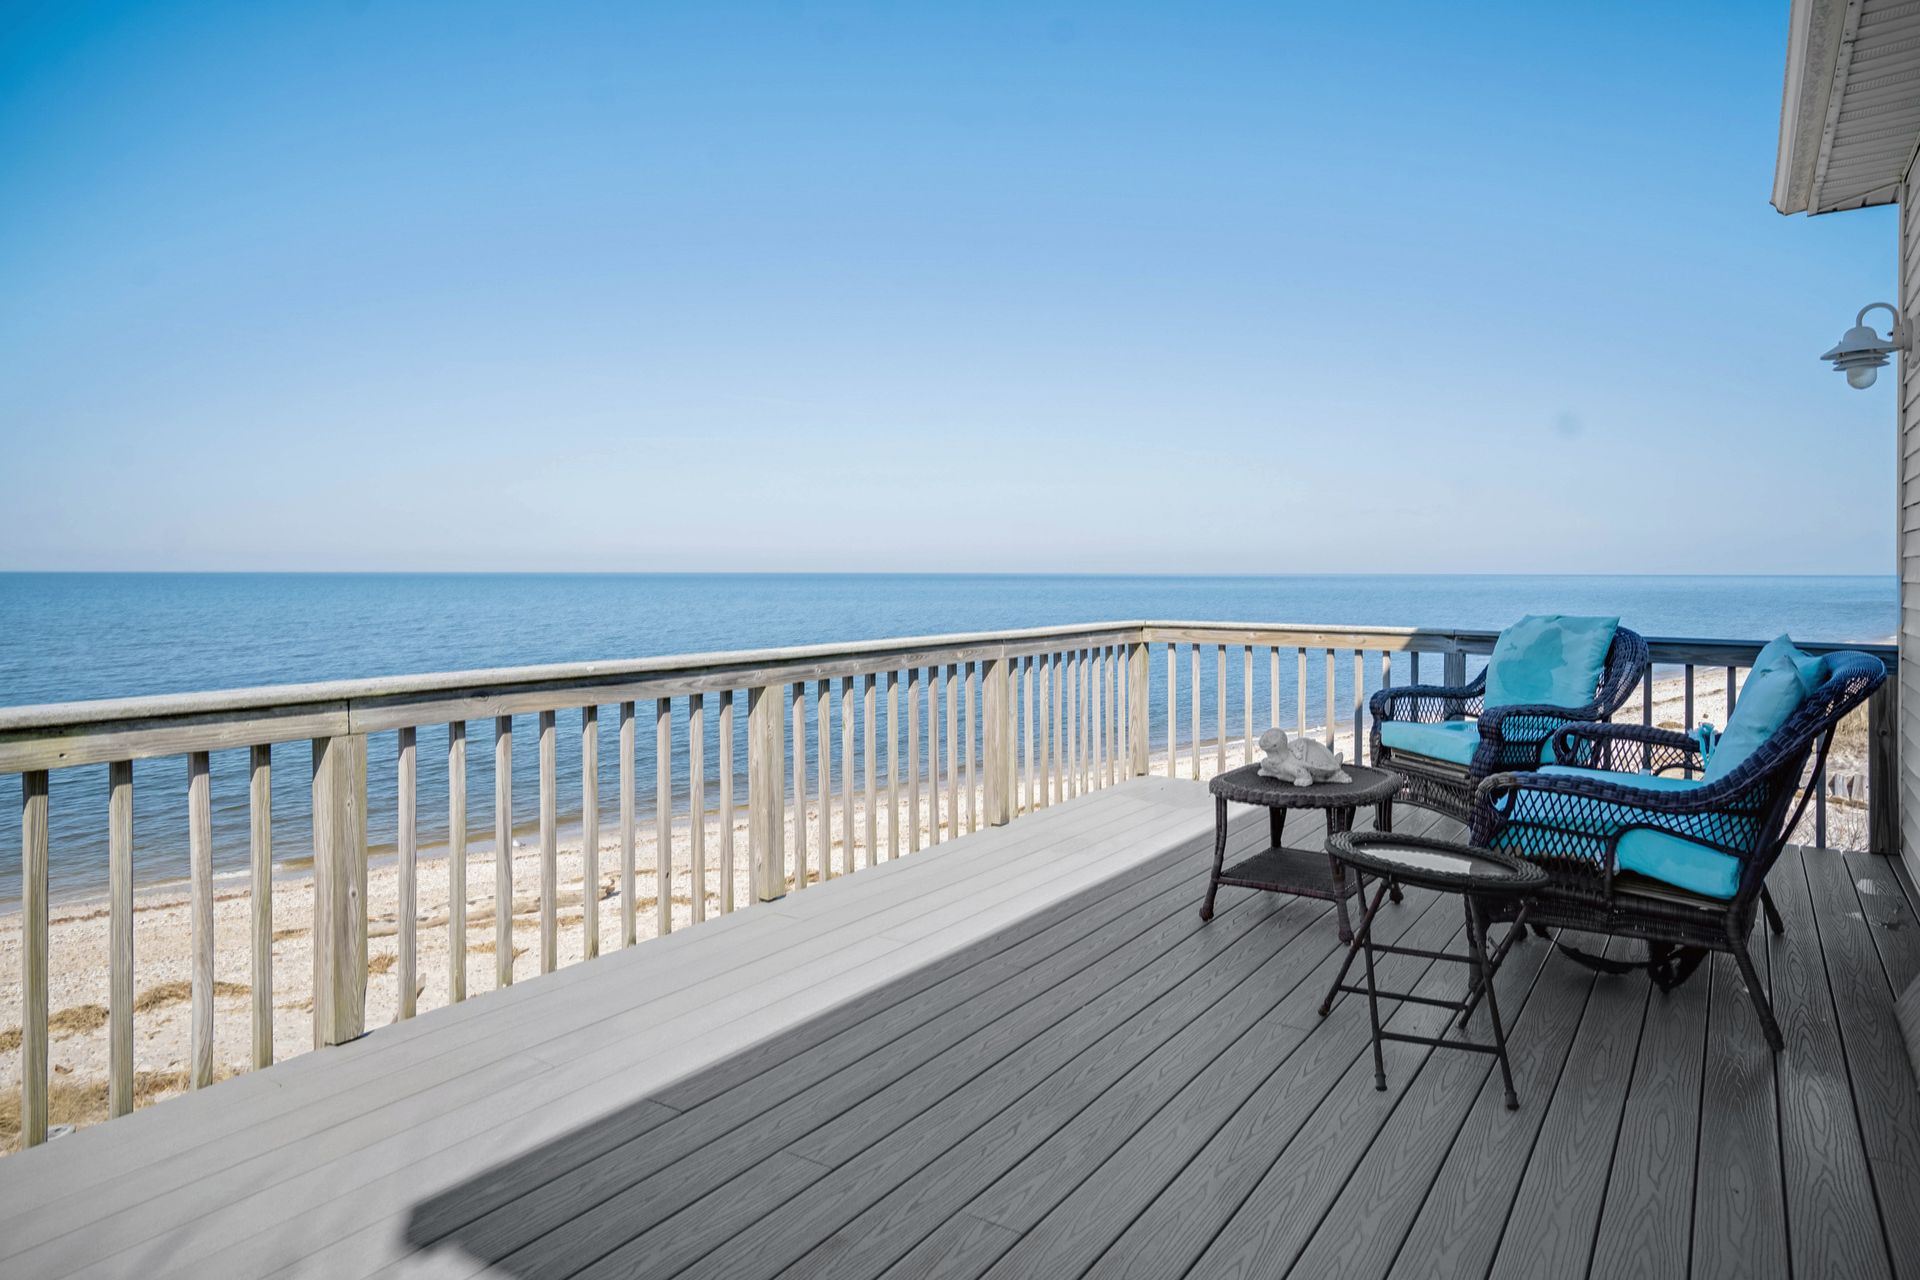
(1105, 1086)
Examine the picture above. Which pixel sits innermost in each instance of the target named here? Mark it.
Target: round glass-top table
(1443, 866)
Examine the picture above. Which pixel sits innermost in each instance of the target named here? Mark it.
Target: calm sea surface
(71, 636)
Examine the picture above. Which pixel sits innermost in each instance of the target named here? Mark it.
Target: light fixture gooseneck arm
(1898, 332)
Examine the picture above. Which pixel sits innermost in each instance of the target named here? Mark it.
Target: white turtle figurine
(1280, 762)
(1302, 763)
(1320, 760)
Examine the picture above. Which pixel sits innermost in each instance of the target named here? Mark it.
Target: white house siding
(1909, 527)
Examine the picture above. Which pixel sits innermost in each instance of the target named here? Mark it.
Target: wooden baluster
(1055, 785)
(1300, 701)
(913, 760)
(933, 756)
(893, 766)
(260, 864)
(953, 752)
(663, 816)
(1194, 701)
(503, 851)
(1071, 728)
(1687, 722)
(970, 691)
(1359, 700)
(1646, 717)
(1114, 717)
(1333, 675)
(200, 867)
(1173, 709)
(120, 938)
(800, 784)
(407, 859)
(590, 831)
(33, 958)
(1246, 704)
(549, 843)
(1097, 716)
(823, 710)
(1091, 718)
(1819, 784)
(456, 862)
(1273, 687)
(1883, 767)
(847, 811)
(1220, 709)
(766, 793)
(1110, 709)
(727, 750)
(1139, 745)
(1027, 796)
(697, 800)
(1104, 714)
(869, 709)
(1732, 692)
(629, 782)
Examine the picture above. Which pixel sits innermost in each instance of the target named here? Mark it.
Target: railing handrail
(64, 734)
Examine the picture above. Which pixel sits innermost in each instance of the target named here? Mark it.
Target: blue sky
(1194, 287)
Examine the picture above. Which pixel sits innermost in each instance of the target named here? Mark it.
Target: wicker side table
(1309, 873)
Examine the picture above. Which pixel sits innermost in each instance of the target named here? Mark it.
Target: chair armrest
(1626, 747)
(1584, 815)
(1427, 703)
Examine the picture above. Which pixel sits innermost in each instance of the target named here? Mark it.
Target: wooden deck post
(339, 888)
(1883, 769)
(766, 791)
(1453, 667)
(1002, 786)
(1137, 695)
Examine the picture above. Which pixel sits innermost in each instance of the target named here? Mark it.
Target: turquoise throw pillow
(1549, 660)
(1781, 679)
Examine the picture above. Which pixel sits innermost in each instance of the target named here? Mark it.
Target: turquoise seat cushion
(1781, 679)
(1661, 855)
(1678, 862)
(1453, 740)
(1549, 660)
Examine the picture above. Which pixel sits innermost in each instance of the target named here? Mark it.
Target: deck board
(1023, 1054)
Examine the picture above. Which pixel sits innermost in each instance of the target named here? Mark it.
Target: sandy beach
(78, 935)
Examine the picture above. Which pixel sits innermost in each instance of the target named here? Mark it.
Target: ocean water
(76, 636)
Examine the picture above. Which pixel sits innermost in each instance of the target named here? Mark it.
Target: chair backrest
(1775, 768)
(1627, 661)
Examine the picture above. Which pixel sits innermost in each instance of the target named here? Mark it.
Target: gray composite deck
(1088, 1083)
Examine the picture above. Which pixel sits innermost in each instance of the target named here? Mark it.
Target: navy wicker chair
(1679, 862)
(1443, 739)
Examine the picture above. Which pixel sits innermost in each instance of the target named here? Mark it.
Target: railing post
(997, 749)
(1453, 667)
(1137, 695)
(339, 888)
(1883, 769)
(766, 791)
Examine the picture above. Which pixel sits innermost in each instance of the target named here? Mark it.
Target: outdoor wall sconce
(1861, 352)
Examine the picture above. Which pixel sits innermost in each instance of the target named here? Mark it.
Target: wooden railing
(848, 755)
